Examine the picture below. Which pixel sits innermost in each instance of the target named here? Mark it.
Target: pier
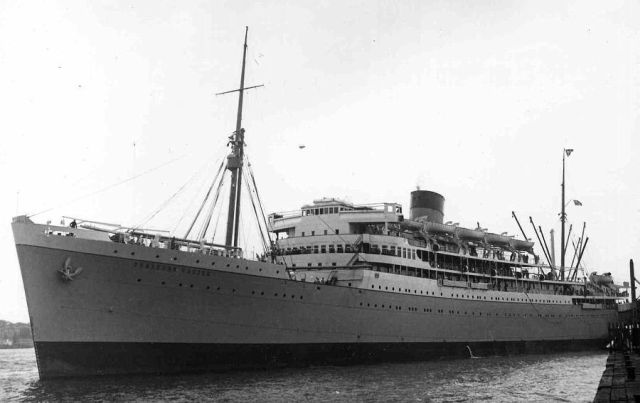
(620, 381)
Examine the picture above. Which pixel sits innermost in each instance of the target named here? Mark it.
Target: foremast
(234, 161)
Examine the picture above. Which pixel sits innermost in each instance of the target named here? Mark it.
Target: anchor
(68, 272)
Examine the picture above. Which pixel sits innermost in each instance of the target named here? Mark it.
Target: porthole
(191, 286)
(197, 261)
(163, 283)
(157, 256)
(115, 251)
(139, 280)
(175, 258)
(208, 287)
(180, 284)
(133, 253)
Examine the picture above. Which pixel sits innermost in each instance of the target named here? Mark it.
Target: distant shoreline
(15, 335)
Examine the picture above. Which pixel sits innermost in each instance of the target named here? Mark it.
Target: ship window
(323, 248)
(337, 231)
(315, 248)
(302, 233)
(332, 249)
(339, 248)
(392, 249)
(413, 254)
(404, 252)
(325, 232)
(313, 233)
(315, 211)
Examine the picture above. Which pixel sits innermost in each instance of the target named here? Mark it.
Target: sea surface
(569, 377)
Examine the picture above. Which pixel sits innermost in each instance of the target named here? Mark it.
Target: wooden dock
(619, 382)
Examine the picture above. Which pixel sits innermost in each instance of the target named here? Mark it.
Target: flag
(568, 151)
(577, 202)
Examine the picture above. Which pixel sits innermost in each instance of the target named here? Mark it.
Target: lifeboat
(434, 227)
(518, 244)
(470, 234)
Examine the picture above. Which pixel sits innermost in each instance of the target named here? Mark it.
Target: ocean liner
(338, 283)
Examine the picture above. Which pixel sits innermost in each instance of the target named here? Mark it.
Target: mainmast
(234, 161)
(236, 157)
(563, 218)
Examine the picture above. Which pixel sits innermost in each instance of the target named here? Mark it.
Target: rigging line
(166, 202)
(255, 188)
(193, 199)
(255, 211)
(186, 235)
(107, 187)
(265, 240)
(242, 231)
(204, 226)
(188, 208)
(204, 202)
(210, 213)
(215, 228)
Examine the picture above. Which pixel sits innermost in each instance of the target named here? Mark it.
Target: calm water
(571, 377)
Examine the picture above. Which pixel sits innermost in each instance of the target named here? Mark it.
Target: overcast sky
(474, 100)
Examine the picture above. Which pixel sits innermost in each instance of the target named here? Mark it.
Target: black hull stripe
(80, 359)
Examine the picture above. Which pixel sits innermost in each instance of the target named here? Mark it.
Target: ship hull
(79, 359)
(136, 309)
